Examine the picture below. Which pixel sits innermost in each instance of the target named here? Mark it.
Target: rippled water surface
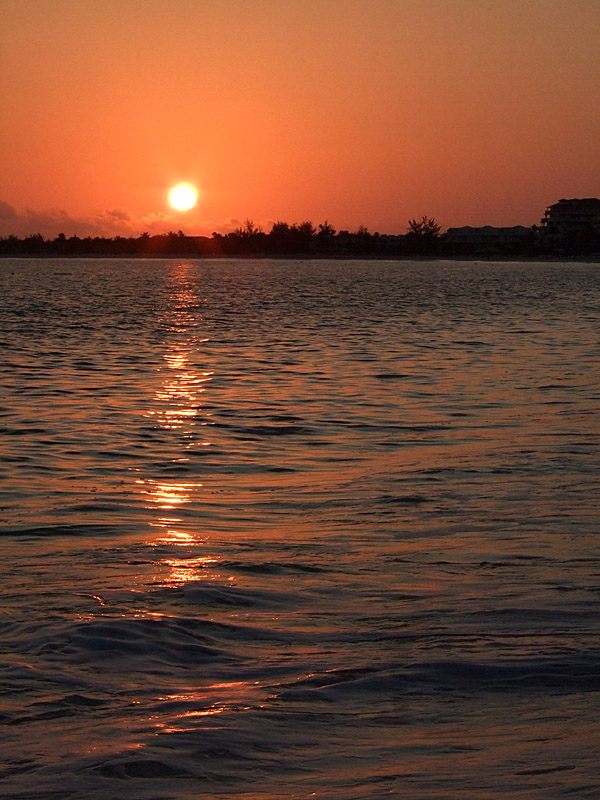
(280, 529)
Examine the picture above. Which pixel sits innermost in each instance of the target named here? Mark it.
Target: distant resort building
(488, 240)
(572, 223)
(568, 227)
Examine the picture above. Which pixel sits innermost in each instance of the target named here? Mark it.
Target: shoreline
(584, 259)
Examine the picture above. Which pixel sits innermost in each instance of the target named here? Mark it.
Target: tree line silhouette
(248, 239)
(422, 238)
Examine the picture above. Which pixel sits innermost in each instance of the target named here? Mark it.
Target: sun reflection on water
(177, 409)
(184, 570)
(166, 495)
(232, 696)
(177, 401)
(189, 566)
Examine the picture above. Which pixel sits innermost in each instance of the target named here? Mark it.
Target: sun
(183, 197)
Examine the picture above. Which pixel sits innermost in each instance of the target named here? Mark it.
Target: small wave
(91, 530)
(142, 768)
(199, 592)
(160, 640)
(271, 430)
(572, 675)
(271, 567)
(156, 642)
(407, 499)
(546, 770)
(15, 431)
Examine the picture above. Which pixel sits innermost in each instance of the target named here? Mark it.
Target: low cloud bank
(108, 223)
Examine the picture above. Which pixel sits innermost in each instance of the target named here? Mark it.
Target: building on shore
(488, 241)
(572, 225)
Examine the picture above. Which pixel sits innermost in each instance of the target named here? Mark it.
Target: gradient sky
(356, 111)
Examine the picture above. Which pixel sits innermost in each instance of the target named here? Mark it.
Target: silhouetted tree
(248, 230)
(423, 234)
(249, 238)
(325, 238)
(279, 237)
(295, 238)
(426, 228)
(326, 230)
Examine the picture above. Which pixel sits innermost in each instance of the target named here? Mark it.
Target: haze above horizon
(363, 113)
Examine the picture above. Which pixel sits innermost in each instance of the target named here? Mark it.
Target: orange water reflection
(209, 701)
(177, 408)
(177, 401)
(178, 398)
(168, 497)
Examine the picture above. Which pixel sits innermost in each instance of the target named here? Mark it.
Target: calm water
(289, 530)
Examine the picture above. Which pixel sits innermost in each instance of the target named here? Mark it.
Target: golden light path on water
(176, 407)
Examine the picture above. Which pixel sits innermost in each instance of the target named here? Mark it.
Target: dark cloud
(110, 222)
(6, 211)
(118, 213)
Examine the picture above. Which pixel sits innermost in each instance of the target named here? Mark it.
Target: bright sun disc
(182, 197)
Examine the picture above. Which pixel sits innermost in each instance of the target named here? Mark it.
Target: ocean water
(282, 529)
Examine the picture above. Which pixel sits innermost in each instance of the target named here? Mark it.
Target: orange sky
(356, 111)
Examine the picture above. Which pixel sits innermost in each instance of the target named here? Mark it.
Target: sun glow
(183, 197)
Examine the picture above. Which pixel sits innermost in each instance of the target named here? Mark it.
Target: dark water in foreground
(290, 530)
